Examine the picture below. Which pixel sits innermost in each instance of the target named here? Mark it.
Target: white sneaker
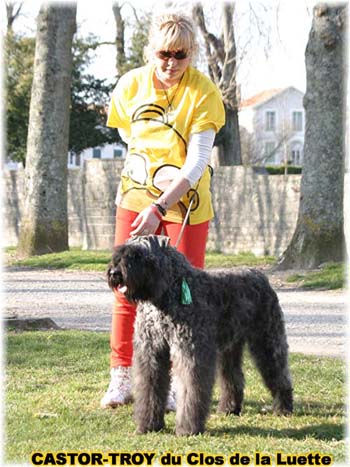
(119, 391)
(171, 400)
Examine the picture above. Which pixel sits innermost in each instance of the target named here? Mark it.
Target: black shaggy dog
(200, 322)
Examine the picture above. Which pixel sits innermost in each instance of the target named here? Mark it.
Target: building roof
(263, 97)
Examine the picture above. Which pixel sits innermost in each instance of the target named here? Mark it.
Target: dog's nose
(112, 272)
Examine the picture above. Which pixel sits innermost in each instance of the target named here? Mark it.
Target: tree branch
(11, 14)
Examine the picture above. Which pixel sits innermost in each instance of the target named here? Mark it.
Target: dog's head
(136, 269)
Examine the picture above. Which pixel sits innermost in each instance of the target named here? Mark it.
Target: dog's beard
(136, 271)
(135, 284)
(116, 280)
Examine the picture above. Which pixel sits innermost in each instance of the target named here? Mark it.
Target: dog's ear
(160, 240)
(151, 242)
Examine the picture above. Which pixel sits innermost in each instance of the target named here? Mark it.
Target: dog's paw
(142, 429)
(189, 431)
(277, 409)
(283, 403)
(230, 409)
(283, 411)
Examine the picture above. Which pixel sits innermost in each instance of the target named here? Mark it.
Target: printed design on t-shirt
(147, 111)
(136, 168)
(164, 175)
(162, 178)
(155, 113)
(193, 194)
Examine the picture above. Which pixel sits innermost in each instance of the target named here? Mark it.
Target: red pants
(192, 245)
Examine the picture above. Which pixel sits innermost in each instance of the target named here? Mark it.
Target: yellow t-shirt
(157, 139)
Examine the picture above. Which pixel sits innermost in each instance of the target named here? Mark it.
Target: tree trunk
(228, 139)
(44, 225)
(119, 39)
(319, 234)
(222, 63)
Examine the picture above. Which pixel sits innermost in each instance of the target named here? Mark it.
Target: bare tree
(119, 38)
(44, 226)
(132, 55)
(13, 10)
(222, 62)
(319, 234)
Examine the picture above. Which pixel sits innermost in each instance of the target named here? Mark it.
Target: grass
(54, 382)
(330, 276)
(219, 260)
(74, 259)
(88, 260)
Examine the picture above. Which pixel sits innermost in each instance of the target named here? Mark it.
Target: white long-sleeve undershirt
(198, 155)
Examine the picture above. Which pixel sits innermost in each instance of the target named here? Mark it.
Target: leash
(184, 223)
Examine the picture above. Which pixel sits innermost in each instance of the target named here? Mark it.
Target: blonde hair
(171, 31)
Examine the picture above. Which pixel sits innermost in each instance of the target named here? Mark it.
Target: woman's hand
(146, 222)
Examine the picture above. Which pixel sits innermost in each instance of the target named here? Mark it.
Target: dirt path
(315, 320)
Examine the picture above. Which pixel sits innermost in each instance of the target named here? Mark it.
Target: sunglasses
(167, 54)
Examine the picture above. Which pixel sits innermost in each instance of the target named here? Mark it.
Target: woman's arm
(198, 157)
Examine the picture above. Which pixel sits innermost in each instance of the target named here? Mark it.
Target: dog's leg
(231, 380)
(195, 380)
(270, 352)
(151, 384)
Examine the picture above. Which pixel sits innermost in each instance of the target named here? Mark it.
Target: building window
(77, 160)
(297, 121)
(117, 153)
(270, 120)
(296, 157)
(96, 153)
(270, 152)
(296, 154)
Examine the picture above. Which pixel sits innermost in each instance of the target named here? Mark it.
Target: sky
(277, 64)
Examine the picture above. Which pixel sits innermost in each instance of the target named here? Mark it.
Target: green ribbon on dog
(186, 297)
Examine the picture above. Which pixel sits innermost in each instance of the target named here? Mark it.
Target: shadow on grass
(302, 408)
(324, 432)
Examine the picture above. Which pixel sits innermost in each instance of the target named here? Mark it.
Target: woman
(168, 113)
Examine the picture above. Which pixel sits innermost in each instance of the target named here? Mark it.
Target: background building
(108, 151)
(272, 126)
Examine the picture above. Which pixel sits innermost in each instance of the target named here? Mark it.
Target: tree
(131, 57)
(88, 97)
(44, 226)
(222, 64)
(319, 233)
(139, 39)
(119, 38)
(19, 58)
(13, 10)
